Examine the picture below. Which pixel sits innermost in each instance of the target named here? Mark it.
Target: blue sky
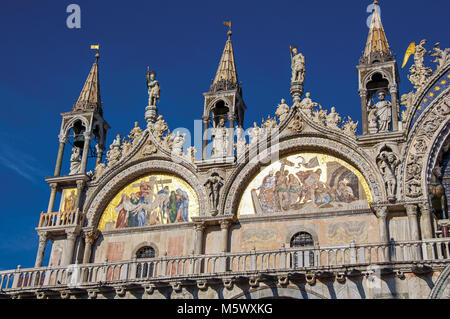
(43, 65)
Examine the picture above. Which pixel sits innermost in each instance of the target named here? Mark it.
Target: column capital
(43, 237)
(424, 208)
(91, 235)
(411, 210)
(381, 211)
(53, 186)
(63, 138)
(71, 234)
(199, 226)
(362, 92)
(225, 224)
(80, 184)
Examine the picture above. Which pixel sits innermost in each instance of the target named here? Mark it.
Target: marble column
(411, 211)
(199, 230)
(224, 229)
(230, 134)
(87, 142)
(205, 121)
(395, 109)
(89, 238)
(363, 95)
(62, 144)
(43, 238)
(426, 222)
(51, 203)
(381, 213)
(69, 247)
(80, 186)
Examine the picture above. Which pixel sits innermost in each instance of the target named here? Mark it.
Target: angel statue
(153, 88)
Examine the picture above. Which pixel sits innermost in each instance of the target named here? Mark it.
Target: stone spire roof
(377, 46)
(90, 99)
(226, 75)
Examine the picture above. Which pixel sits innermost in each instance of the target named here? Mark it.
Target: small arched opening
(304, 257)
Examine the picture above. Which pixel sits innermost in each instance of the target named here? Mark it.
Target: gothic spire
(226, 75)
(377, 46)
(89, 99)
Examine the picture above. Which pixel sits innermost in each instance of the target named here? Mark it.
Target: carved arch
(108, 188)
(243, 174)
(66, 128)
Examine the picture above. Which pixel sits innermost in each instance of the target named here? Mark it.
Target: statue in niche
(282, 111)
(220, 139)
(214, 183)
(307, 105)
(333, 119)
(153, 88)
(298, 66)
(388, 164)
(75, 161)
(382, 112)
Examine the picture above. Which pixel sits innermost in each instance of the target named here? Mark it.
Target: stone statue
(75, 161)
(282, 111)
(383, 113)
(178, 142)
(240, 142)
(307, 105)
(214, 184)
(269, 124)
(114, 154)
(153, 88)
(126, 147)
(254, 133)
(442, 56)
(388, 163)
(220, 139)
(135, 133)
(333, 119)
(298, 66)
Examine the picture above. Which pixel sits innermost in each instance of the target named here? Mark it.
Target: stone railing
(197, 267)
(67, 218)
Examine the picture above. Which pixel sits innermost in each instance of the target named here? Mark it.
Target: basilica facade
(297, 207)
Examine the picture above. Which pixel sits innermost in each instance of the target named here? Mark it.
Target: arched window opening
(303, 258)
(145, 269)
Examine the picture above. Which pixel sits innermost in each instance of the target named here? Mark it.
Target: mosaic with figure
(152, 200)
(303, 182)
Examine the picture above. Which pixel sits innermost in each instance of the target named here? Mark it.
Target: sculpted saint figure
(307, 104)
(388, 163)
(282, 111)
(384, 112)
(75, 161)
(298, 66)
(220, 140)
(153, 88)
(214, 184)
(333, 119)
(135, 133)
